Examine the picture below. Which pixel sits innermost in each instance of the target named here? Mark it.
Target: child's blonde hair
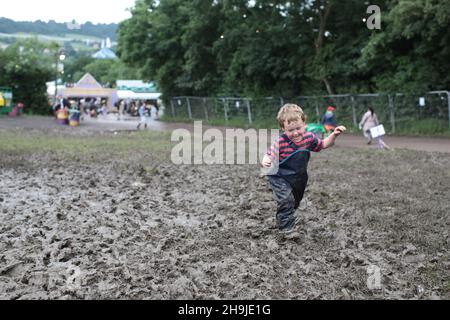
(290, 112)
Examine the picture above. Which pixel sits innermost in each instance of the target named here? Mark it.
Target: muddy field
(122, 222)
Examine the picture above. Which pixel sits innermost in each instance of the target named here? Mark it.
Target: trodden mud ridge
(100, 228)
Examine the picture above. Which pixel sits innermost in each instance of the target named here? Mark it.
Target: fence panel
(181, 107)
(399, 113)
(197, 107)
(265, 110)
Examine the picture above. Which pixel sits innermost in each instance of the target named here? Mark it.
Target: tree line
(57, 29)
(287, 48)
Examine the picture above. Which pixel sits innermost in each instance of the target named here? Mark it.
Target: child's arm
(271, 154)
(329, 141)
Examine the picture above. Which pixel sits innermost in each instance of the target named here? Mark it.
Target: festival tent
(128, 94)
(137, 90)
(88, 87)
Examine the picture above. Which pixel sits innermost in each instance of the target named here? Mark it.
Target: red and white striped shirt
(282, 149)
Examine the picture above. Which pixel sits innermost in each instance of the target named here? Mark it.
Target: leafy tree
(73, 67)
(26, 66)
(108, 71)
(411, 54)
(151, 41)
(287, 48)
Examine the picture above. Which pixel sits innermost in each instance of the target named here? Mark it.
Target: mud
(102, 229)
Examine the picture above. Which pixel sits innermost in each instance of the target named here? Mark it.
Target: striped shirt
(281, 146)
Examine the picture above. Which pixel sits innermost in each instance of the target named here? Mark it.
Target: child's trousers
(288, 200)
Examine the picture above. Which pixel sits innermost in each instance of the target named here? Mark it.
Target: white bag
(377, 131)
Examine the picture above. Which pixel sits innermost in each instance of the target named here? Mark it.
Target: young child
(288, 159)
(329, 120)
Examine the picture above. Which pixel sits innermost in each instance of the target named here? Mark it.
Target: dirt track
(74, 228)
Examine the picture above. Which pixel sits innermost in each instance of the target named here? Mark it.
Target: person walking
(368, 121)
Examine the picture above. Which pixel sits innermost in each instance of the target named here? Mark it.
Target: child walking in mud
(287, 162)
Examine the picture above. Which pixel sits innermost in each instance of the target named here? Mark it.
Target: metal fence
(395, 111)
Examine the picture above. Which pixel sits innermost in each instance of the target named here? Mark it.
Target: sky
(96, 11)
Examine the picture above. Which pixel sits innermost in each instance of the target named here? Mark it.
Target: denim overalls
(289, 183)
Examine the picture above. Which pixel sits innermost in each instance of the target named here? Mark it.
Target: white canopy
(128, 94)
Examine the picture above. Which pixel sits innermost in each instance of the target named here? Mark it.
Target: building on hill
(105, 52)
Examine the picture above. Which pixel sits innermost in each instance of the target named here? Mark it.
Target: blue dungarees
(289, 183)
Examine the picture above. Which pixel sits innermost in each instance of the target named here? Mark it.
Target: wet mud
(374, 225)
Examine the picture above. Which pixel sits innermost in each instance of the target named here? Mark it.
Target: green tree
(104, 71)
(100, 69)
(411, 54)
(73, 67)
(287, 48)
(151, 40)
(26, 66)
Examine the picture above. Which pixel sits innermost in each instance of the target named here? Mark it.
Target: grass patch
(120, 144)
(77, 36)
(431, 127)
(424, 127)
(233, 122)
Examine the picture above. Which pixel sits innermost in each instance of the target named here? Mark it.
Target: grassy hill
(84, 37)
(57, 29)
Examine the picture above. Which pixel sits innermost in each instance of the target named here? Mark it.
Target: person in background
(157, 110)
(329, 120)
(368, 121)
(121, 110)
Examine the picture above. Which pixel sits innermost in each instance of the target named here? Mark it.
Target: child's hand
(339, 130)
(266, 162)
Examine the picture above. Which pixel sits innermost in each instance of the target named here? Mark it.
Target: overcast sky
(96, 11)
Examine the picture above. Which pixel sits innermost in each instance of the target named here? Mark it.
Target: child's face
(294, 130)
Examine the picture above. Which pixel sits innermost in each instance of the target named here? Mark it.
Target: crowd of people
(94, 107)
(136, 108)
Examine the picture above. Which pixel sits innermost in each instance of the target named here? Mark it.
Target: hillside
(87, 37)
(53, 28)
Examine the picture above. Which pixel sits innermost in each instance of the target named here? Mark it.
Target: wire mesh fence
(397, 112)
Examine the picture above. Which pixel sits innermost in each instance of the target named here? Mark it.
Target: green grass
(121, 144)
(82, 37)
(422, 127)
(81, 47)
(59, 39)
(234, 122)
(425, 127)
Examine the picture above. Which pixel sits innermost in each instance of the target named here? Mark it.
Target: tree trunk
(323, 17)
(328, 86)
